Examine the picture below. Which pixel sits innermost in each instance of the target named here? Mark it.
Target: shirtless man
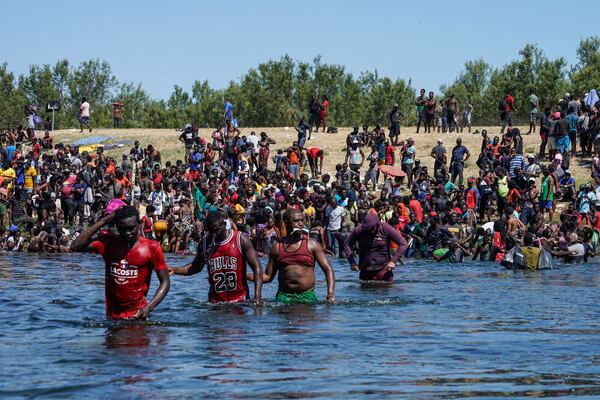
(226, 252)
(294, 258)
(129, 259)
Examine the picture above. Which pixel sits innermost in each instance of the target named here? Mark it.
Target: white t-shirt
(577, 249)
(85, 109)
(335, 218)
(254, 140)
(488, 226)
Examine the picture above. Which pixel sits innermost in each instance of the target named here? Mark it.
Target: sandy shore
(332, 144)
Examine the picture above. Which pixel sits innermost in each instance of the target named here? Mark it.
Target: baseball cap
(440, 141)
(530, 155)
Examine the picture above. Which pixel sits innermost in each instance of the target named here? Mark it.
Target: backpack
(503, 104)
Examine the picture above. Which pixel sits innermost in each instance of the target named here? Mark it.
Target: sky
(167, 43)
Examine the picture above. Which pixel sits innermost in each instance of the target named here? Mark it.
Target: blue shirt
(458, 153)
(302, 130)
(572, 118)
(381, 151)
(10, 150)
(517, 162)
(228, 110)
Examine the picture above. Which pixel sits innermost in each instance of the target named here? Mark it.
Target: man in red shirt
(226, 252)
(129, 259)
(315, 161)
(509, 106)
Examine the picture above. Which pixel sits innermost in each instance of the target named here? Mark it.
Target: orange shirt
(124, 182)
(110, 169)
(293, 157)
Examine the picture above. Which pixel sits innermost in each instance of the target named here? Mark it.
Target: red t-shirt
(227, 271)
(510, 103)
(312, 153)
(67, 186)
(157, 178)
(389, 153)
(128, 273)
(36, 150)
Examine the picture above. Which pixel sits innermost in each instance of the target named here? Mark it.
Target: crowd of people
(232, 199)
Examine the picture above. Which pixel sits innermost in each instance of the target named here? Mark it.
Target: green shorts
(308, 297)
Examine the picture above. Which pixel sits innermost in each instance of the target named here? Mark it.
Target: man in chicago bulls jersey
(225, 252)
(129, 259)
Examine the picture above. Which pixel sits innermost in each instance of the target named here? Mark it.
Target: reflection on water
(441, 331)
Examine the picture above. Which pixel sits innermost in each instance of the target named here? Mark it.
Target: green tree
(12, 100)
(586, 74)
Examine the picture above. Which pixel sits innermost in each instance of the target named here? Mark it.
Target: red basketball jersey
(227, 271)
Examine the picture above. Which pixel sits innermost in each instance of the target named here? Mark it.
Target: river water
(441, 331)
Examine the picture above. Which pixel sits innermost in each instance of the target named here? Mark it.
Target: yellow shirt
(310, 212)
(30, 175)
(9, 175)
(239, 210)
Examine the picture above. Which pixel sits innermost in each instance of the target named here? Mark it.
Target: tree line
(277, 93)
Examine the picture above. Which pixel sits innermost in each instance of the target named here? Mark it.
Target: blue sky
(163, 43)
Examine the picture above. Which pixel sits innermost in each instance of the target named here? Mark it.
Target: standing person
(430, 105)
(31, 114)
(188, 138)
(460, 154)
(117, 110)
(506, 107)
(253, 149)
(294, 161)
(573, 120)
(84, 115)
(371, 174)
(314, 109)
(395, 117)
(294, 258)
(408, 159)
(438, 153)
(453, 114)
(227, 253)
(390, 153)
(373, 237)
(534, 106)
(545, 122)
(467, 116)
(547, 193)
(301, 128)
(335, 215)
(265, 142)
(421, 102)
(228, 113)
(323, 111)
(129, 259)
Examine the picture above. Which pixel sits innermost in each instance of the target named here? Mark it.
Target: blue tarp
(91, 140)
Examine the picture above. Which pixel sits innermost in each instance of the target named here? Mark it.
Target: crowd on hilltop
(50, 191)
